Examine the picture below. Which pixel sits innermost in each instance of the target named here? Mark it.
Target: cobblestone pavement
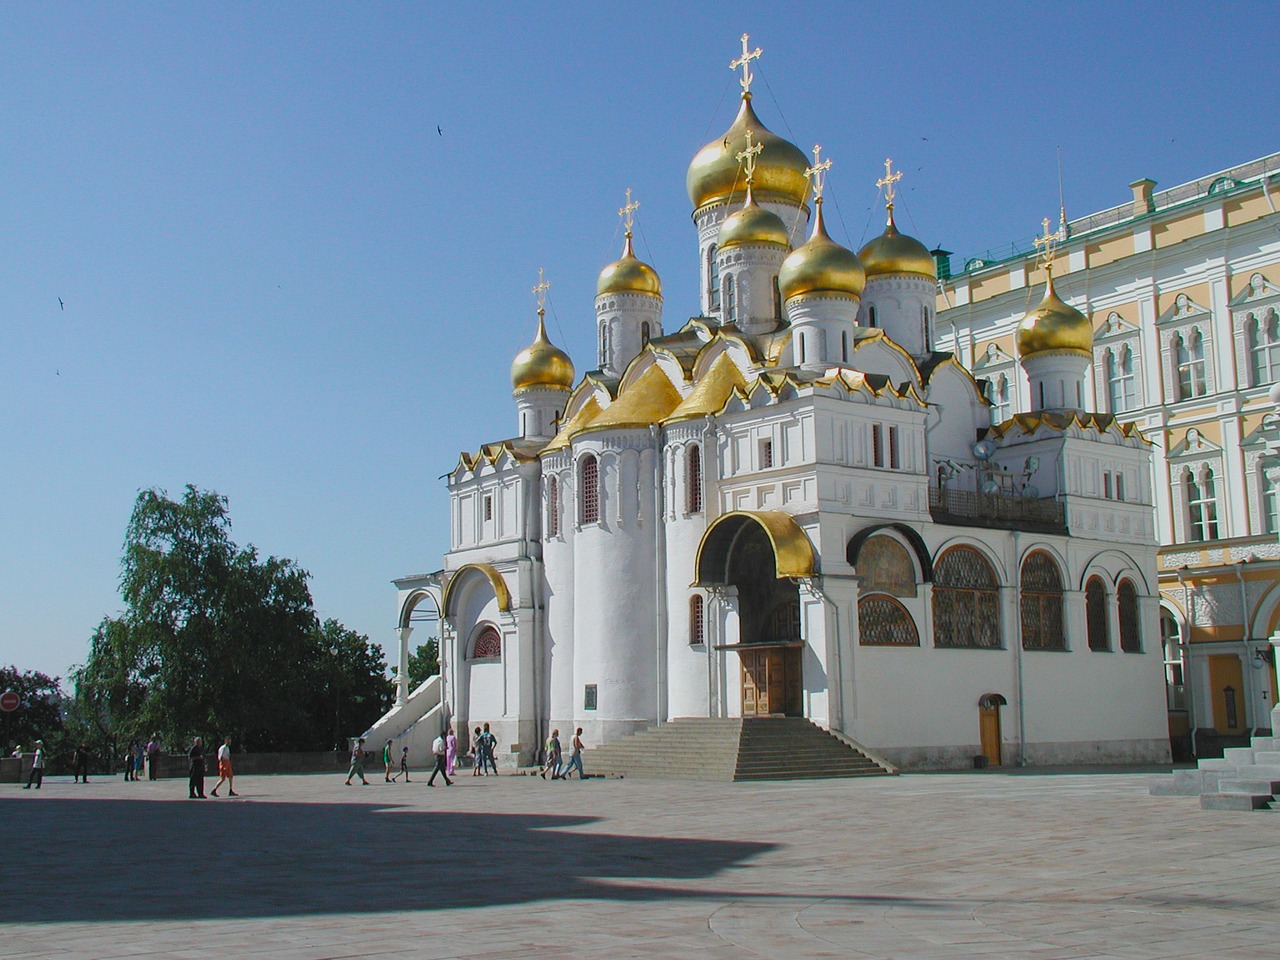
(984, 865)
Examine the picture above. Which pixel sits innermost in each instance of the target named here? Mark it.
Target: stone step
(1234, 801)
(1265, 744)
(1238, 755)
(1252, 787)
(1266, 757)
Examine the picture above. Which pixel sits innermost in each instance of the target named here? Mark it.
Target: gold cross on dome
(887, 181)
(626, 212)
(817, 174)
(748, 156)
(744, 62)
(1045, 245)
(540, 290)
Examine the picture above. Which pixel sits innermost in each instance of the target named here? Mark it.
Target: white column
(402, 673)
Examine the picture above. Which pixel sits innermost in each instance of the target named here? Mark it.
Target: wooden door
(755, 683)
(1226, 682)
(989, 730)
(771, 683)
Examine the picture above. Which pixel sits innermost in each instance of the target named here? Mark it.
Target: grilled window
(589, 490)
(1127, 604)
(1098, 621)
(1042, 627)
(966, 600)
(884, 621)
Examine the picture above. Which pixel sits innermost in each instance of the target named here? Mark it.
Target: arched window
(1042, 604)
(713, 279)
(604, 344)
(871, 316)
(1202, 506)
(487, 645)
(777, 300)
(844, 346)
(1121, 390)
(730, 300)
(1097, 618)
(1127, 607)
(644, 333)
(966, 600)
(697, 620)
(589, 490)
(553, 506)
(1189, 353)
(799, 348)
(693, 478)
(1268, 472)
(998, 394)
(885, 622)
(1264, 347)
(1171, 638)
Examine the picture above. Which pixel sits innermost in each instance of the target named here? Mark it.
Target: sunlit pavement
(990, 865)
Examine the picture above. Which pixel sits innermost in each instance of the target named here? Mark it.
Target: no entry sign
(9, 701)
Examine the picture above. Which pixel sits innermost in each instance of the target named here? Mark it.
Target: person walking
(477, 755)
(224, 769)
(357, 763)
(404, 765)
(387, 762)
(80, 763)
(195, 770)
(490, 748)
(139, 760)
(153, 756)
(128, 760)
(438, 748)
(450, 751)
(553, 757)
(36, 775)
(575, 758)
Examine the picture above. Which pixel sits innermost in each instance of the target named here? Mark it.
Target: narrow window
(1171, 639)
(877, 446)
(800, 346)
(1042, 626)
(894, 463)
(713, 279)
(644, 333)
(1264, 347)
(1119, 486)
(1270, 498)
(777, 300)
(730, 300)
(488, 508)
(844, 345)
(1106, 484)
(553, 506)
(604, 344)
(1127, 608)
(1121, 389)
(1202, 507)
(693, 478)
(871, 316)
(589, 490)
(1191, 365)
(998, 394)
(766, 454)
(697, 629)
(1097, 619)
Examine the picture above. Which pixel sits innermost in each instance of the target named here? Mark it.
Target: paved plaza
(982, 865)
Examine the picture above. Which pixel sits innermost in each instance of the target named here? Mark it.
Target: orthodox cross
(744, 62)
(748, 157)
(540, 291)
(626, 212)
(1044, 246)
(817, 174)
(887, 181)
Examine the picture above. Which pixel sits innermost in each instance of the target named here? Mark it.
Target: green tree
(39, 713)
(351, 673)
(213, 639)
(424, 662)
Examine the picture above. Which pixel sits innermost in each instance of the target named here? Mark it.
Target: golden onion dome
(753, 224)
(1053, 326)
(820, 265)
(628, 275)
(714, 173)
(895, 253)
(542, 364)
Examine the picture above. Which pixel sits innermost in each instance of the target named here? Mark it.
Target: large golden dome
(542, 364)
(1053, 326)
(820, 265)
(628, 275)
(753, 224)
(895, 253)
(714, 173)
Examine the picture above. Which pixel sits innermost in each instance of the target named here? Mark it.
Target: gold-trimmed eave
(712, 391)
(1029, 423)
(492, 453)
(647, 400)
(585, 414)
(490, 572)
(793, 552)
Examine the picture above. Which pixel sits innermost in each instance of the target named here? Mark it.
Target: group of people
(555, 763)
(136, 759)
(196, 769)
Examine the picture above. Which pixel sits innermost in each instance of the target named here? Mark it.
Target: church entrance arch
(762, 555)
(989, 733)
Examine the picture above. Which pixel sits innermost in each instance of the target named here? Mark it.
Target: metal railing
(969, 508)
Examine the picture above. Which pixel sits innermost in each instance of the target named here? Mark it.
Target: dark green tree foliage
(39, 715)
(424, 662)
(350, 678)
(214, 640)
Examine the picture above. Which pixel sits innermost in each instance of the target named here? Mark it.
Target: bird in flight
(61, 304)
(439, 131)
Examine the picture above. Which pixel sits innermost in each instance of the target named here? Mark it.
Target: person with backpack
(490, 747)
(438, 748)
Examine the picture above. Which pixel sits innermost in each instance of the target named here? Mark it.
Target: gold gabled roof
(645, 401)
(712, 391)
(588, 412)
(517, 449)
(1102, 422)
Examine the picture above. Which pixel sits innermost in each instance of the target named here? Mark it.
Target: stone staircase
(751, 748)
(1245, 778)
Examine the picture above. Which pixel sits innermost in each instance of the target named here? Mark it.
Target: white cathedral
(793, 504)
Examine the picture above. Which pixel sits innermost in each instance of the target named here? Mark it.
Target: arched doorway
(760, 556)
(989, 732)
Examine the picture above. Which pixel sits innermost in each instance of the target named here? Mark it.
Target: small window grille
(697, 620)
(766, 454)
(553, 507)
(693, 478)
(487, 646)
(488, 508)
(589, 697)
(894, 461)
(589, 490)
(877, 446)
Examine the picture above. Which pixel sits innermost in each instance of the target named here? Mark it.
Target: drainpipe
(660, 571)
(1017, 612)
(1187, 619)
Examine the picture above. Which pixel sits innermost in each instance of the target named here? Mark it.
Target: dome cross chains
(887, 181)
(1045, 245)
(626, 212)
(817, 174)
(744, 62)
(748, 156)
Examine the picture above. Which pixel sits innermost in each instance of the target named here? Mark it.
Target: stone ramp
(1244, 778)
(751, 748)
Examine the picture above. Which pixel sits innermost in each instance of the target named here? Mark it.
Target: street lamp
(335, 673)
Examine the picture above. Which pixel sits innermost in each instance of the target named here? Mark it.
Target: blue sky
(282, 283)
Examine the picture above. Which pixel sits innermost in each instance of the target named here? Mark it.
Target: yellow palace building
(1182, 287)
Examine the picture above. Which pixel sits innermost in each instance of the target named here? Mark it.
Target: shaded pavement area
(1060, 867)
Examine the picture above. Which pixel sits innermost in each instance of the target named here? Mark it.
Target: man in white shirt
(37, 767)
(438, 748)
(224, 768)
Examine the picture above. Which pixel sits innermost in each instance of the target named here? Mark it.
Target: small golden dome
(1053, 326)
(893, 252)
(542, 364)
(714, 173)
(820, 265)
(628, 275)
(753, 224)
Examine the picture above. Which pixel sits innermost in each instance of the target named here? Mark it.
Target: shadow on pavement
(69, 860)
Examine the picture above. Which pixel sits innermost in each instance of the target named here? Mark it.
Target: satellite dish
(989, 487)
(1032, 464)
(984, 449)
(1031, 491)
